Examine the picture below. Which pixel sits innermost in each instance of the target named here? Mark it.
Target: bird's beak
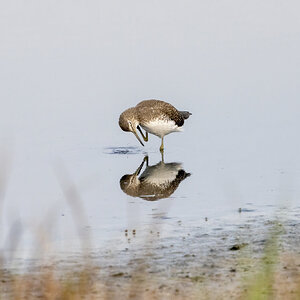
(133, 130)
(137, 172)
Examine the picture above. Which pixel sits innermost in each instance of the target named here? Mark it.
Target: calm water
(69, 70)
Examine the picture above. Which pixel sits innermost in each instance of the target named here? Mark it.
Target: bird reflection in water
(156, 182)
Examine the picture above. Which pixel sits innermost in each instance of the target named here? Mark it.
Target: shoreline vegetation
(257, 266)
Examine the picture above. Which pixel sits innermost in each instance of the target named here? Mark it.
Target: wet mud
(213, 261)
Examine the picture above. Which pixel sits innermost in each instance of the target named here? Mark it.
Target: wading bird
(154, 116)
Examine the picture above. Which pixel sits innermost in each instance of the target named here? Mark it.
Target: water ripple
(122, 150)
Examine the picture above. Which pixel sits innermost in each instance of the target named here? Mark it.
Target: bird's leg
(162, 157)
(162, 145)
(144, 137)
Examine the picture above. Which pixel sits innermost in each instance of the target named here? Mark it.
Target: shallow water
(63, 154)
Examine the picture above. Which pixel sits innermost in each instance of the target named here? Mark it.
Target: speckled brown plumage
(154, 116)
(157, 109)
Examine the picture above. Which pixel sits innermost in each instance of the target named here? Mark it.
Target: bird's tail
(185, 114)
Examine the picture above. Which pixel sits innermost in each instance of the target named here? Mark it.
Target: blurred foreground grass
(272, 275)
(47, 285)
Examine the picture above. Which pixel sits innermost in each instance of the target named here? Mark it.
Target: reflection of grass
(261, 286)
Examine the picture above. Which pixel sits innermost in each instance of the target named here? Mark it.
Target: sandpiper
(156, 182)
(154, 116)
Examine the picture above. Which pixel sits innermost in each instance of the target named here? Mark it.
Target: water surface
(69, 70)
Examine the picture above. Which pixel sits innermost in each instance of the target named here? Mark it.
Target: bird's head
(129, 122)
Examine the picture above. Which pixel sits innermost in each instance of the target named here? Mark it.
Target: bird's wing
(160, 110)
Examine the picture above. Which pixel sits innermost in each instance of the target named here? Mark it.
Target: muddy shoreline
(222, 264)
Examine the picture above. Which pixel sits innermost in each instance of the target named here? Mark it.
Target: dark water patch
(122, 150)
(246, 210)
(160, 216)
(217, 229)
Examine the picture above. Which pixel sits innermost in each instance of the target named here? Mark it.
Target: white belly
(161, 174)
(161, 127)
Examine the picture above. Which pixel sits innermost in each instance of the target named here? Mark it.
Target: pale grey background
(69, 68)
